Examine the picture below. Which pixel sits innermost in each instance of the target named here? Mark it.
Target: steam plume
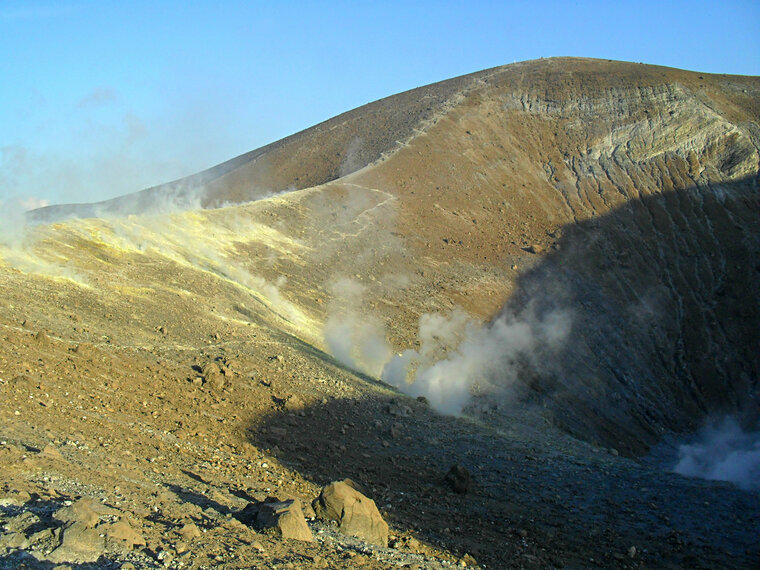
(722, 452)
(356, 340)
(12, 226)
(457, 356)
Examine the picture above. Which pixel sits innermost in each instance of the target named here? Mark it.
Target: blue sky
(102, 98)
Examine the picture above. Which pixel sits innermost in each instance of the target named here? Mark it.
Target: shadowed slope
(662, 294)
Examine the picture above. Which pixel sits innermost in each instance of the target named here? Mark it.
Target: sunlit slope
(180, 272)
(623, 196)
(319, 154)
(202, 274)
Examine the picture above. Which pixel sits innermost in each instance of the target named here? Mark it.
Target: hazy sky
(102, 98)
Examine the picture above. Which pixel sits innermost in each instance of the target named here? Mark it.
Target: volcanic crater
(539, 273)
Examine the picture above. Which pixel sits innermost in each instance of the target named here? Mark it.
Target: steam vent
(543, 278)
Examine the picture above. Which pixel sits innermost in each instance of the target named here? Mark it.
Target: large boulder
(83, 539)
(459, 479)
(80, 545)
(355, 513)
(285, 519)
(213, 376)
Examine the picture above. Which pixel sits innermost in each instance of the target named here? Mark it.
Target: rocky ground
(161, 452)
(168, 447)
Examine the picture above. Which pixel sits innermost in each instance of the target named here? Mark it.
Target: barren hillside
(559, 257)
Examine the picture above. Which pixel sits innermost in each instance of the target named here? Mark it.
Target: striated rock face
(656, 259)
(637, 188)
(662, 329)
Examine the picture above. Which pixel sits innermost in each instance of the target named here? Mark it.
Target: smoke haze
(355, 339)
(722, 451)
(458, 357)
(12, 221)
(98, 147)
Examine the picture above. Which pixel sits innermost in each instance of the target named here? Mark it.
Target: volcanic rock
(124, 533)
(189, 532)
(46, 539)
(51, 452)
(80, 544)
(14, 540)
(458, 478)
(15, 499)
(213, 376)
(355, 513)
(398, 409)
(82, 512)
(285, 519)
(21, 522)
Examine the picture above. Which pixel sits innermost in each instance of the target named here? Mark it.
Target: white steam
(12, 226)
(19, 241)
(457, 358)
(100, 146)
(352, 161)
(355, 339)
(722, 452)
